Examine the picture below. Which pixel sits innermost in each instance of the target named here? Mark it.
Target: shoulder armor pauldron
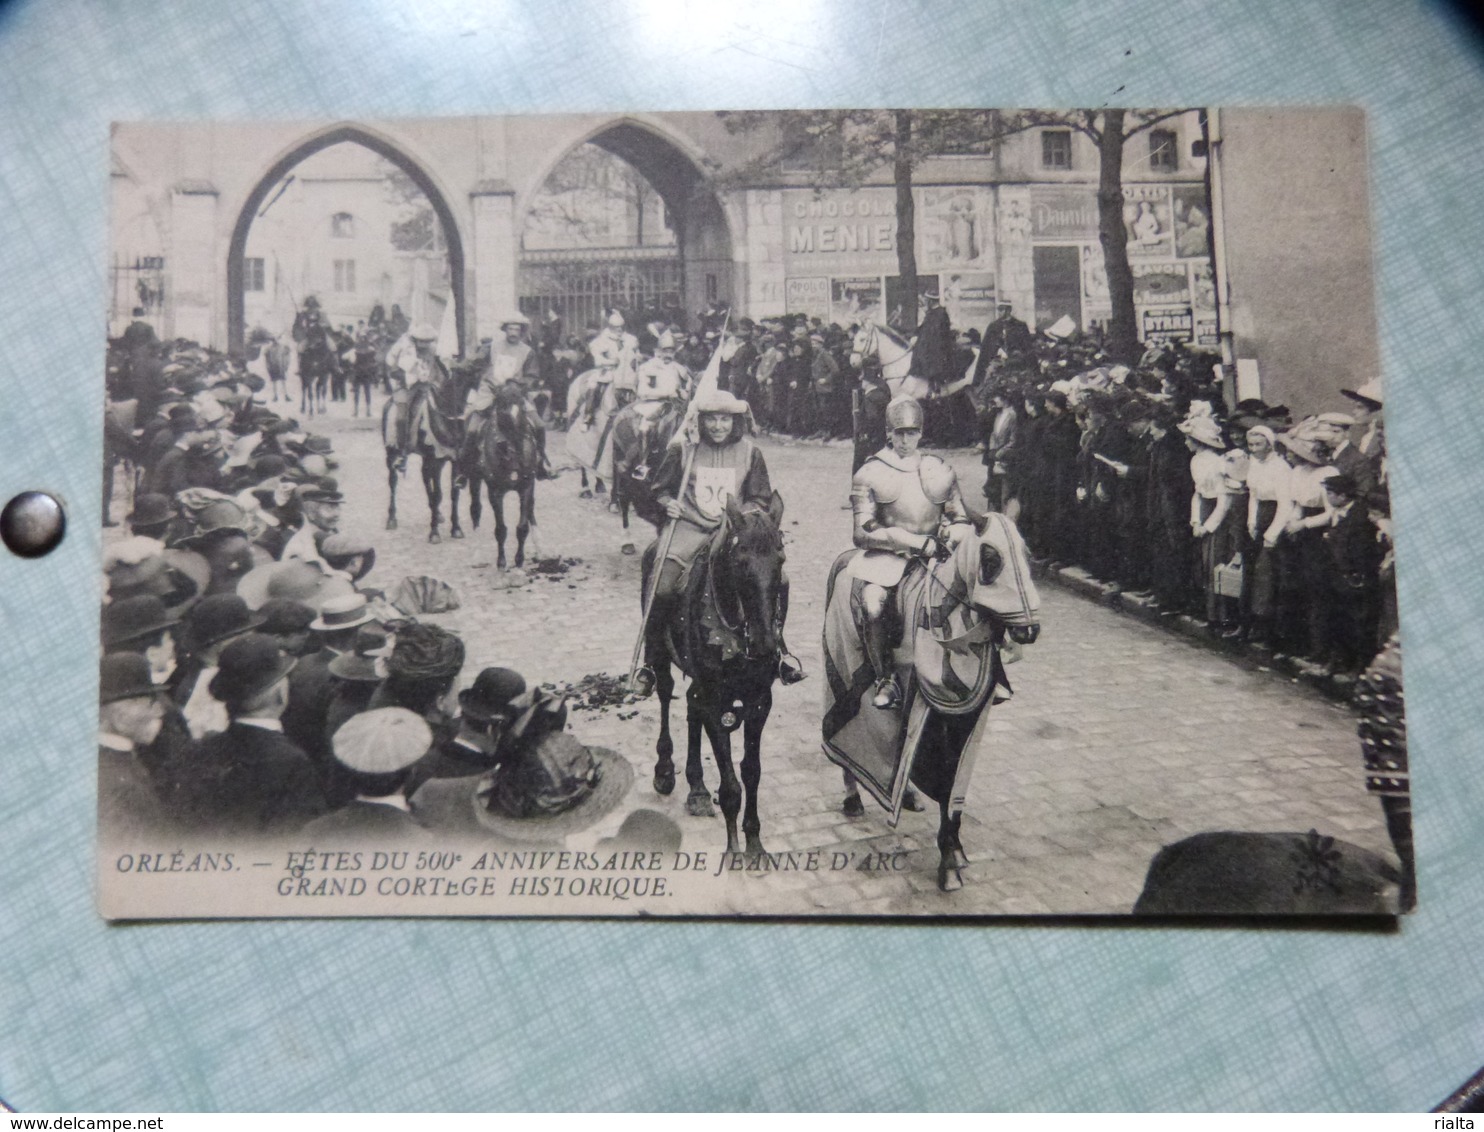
(938, 479)
(881, 480)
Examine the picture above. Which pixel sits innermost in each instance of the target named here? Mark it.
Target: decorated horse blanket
(592, 446)
(951, 616)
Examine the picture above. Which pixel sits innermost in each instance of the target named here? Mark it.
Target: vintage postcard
(769, 513)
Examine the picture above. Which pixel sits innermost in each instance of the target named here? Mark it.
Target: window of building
(343, 226)
(252, 274)
(345, 275)
(1056, 149)
(1162, 155)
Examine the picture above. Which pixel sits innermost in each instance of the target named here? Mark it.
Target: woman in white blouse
(1209, 503)
(1302, 562)
(1269, 502)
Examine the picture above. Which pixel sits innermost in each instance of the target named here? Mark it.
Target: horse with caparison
(590, 442)
(638, 445)
(961, 616)
(726, 634)
(426, 421)
(508, 458)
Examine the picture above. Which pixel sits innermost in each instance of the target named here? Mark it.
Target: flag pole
(668, 538)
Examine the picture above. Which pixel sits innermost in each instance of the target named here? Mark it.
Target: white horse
(893, 354)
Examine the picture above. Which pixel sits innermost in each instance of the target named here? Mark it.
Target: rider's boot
(878, 652)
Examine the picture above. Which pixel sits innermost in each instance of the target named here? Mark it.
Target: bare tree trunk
(1123, 334)
(906, 220)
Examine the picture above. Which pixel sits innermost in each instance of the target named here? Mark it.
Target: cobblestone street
(1120, 738)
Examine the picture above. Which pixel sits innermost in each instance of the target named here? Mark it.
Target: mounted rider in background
(512, 363)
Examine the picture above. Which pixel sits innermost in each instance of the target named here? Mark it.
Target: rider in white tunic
(615, 353)
(908, 506)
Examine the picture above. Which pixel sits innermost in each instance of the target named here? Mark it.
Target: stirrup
(644, 681)
(888, 695)
(790, 669)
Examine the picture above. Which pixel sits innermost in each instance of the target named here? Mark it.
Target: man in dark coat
(250, 779)
(1006, 333)
(131, 712)
(1350, 598)
(487, 710)
(936, 351)
(737, 371)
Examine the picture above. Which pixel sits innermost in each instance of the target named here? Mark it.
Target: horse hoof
(853, 807)
(910, 801)
(456, 534)
(391, 524)
(664, 781)
(698, 804)
(500, 563)
(949, 879)
(585, 493)
(754, 848)
(960, 858)
(434, 536)
(520, 560)
(628, 548)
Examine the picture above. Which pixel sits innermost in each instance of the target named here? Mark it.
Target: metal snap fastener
(32, 524)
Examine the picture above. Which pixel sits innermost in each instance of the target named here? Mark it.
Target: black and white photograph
(843, 513)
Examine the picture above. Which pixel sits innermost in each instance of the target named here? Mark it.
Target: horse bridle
(725, 538)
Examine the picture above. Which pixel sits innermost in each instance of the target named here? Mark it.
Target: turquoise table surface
(393, 1014)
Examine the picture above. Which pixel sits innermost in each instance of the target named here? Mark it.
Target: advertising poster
(855, 300)
(807, 296)
(839, 232)
(1146, 214)
(969, 298)
(1165, 324)
(1063, 213)
(1192, 222)
(1094, 276)
(1202, 286)
(954, 228)
(1160, 284)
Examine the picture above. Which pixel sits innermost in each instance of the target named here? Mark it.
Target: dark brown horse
(426, 421)
(637, 452)
(508, 459)
(727, 636)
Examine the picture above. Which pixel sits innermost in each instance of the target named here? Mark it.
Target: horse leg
(433, 486)
(586, 492)
(627, 546)
(698, 801)
(476, 500)
(752, 773)
(527, 497)
(729, 793)
(391, 483)
(950, 879)
(454, 530)
(664, 748)
(497, 505)
(852, 806)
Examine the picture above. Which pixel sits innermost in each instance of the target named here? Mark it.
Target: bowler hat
(280, 616)
(135, 618)
(124, 676)
(324, 490)
(215, 618)
(490, 696)
(382, 741)
(555, 787)
(364, 664)
(249, 666)
(151, 510)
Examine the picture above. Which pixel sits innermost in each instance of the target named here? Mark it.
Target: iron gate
(139, 282)
(580, 285)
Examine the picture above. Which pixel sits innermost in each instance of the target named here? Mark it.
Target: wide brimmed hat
(248, 667)
(555, 788)
(382, 741)
(125, 676)
(1203, 430)
(514, 318)
(1368, 394)
(296, 581)
(1336, 420)
(345, 611)
(366, 665)
(423, 332)
(216, 517)
(720, 401)
(281, 616)
(135, 618)
(490, 696)
(215, 618)
(1302, 447)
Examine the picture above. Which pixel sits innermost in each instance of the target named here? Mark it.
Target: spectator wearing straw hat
(375, 752)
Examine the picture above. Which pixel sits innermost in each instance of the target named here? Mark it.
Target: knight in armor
(512, 362)
(661, 383)
(727, 464)
(908, 509)
(614, 353)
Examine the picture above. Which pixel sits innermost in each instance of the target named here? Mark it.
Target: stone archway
(673, 166)
(237, 249)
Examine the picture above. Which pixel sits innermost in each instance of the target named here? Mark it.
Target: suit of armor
(661, 380)
(905, 507)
